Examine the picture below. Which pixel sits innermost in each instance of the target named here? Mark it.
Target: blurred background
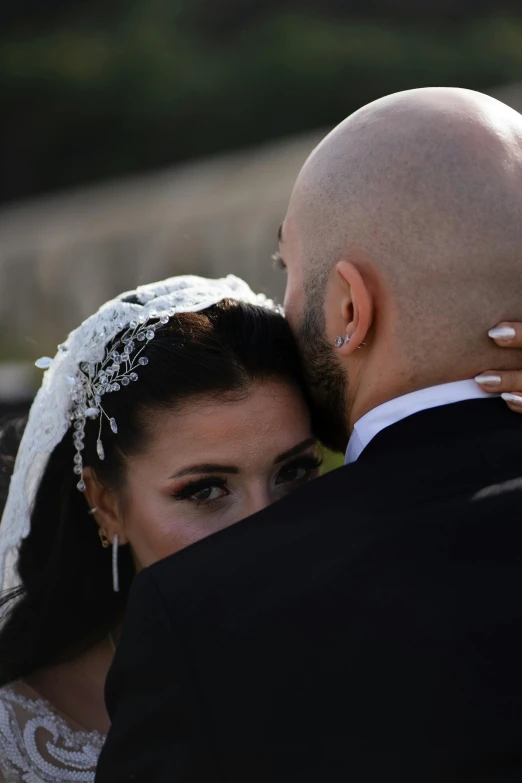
(148, 138)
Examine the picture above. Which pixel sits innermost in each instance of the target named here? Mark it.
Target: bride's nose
(257, 498)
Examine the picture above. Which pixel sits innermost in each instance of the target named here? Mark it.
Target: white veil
(50, 414)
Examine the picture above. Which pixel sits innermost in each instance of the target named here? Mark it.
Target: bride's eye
(203, 491)
(209, 493)
(300, 470)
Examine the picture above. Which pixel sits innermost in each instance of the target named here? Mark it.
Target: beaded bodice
(39, 745)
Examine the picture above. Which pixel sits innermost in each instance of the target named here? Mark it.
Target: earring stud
(340, 341)
(103, 538)
(92, 511)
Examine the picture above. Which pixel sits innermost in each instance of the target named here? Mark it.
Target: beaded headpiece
(104, 354)
(96, 379)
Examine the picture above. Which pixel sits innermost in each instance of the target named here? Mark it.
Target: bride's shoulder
(35, 738)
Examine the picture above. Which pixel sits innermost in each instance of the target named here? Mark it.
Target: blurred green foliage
(331, 461)
(96, 90)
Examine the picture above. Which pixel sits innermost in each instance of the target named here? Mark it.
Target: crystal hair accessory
(116, 369)
(83, 371)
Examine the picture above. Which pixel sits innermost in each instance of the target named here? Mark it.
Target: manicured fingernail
(514, 399)
(488, 380)
(502, 333)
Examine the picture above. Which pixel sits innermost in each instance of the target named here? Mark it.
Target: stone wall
(62, 256)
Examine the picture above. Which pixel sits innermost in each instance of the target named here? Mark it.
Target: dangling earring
(115, 575)
(103, 538)
(340, 341)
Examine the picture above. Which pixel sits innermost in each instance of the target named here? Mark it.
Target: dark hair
(66, 602)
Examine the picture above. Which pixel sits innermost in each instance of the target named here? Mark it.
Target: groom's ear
(356, 305)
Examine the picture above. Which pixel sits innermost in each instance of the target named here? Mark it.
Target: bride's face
(210, 464)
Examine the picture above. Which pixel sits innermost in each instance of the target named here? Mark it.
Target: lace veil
(50, 414)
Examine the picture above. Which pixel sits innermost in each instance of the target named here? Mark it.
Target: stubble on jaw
(325, 380)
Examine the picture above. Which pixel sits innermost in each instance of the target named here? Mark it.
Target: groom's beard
(325, 381)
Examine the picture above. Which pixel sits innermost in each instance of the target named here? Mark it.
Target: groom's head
(404, 233)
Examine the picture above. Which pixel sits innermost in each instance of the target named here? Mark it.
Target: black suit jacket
(368, 628)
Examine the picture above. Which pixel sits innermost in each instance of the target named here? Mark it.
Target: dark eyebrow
(280, 233)
(209, 468)
(204, 468)
(296, 450)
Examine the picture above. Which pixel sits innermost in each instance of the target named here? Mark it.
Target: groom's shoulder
(322, 521)
(319, 510)
(333, 544)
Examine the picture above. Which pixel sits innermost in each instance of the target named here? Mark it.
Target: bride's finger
(507, 383)
(497, 381)
(507, 334)
(503, 382)
(514, 401)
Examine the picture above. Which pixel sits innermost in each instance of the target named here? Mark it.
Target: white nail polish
(488, 380)
(502, 333)
(514, 399)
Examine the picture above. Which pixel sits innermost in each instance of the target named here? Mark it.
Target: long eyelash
(278, 262)
(195, 486)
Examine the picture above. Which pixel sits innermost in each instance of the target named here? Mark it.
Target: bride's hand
(508, 383)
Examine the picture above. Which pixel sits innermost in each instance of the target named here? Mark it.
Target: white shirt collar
(393, 411)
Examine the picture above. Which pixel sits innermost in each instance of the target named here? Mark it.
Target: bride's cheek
(159, 526)
(155, 533)
(172, 531)
(169, 534)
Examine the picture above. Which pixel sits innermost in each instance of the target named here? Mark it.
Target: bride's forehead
(270, 411)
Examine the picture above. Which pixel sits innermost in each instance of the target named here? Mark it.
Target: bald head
(426, 185)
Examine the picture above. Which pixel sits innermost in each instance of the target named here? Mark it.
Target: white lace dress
(39, 745)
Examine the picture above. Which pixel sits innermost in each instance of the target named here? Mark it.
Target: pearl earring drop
(115, 574)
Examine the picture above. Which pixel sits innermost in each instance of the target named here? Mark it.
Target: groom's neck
(375, 388)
